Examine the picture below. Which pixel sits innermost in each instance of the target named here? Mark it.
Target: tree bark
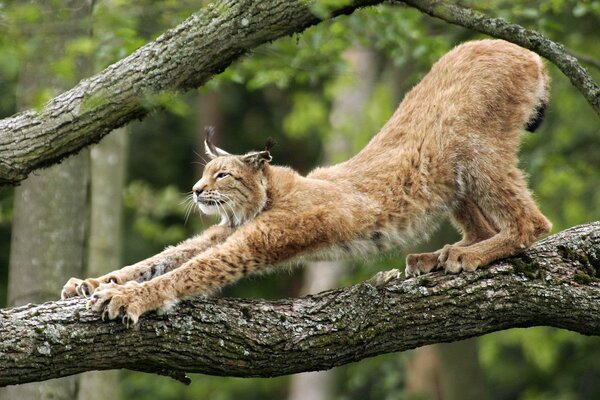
(107, 167)
(51, 207)
(190, 54)
(554, 283)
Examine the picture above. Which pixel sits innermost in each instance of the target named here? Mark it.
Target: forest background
(322, 94)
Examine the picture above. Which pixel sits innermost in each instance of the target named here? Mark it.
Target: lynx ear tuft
(211, 150)
(270, 143)
(258, 158)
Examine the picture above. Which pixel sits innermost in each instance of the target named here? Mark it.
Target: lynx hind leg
(510, 206)
(475, 227)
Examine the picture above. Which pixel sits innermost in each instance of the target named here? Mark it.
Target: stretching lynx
(450, 148)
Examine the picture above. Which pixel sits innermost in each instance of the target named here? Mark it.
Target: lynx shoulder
(450, 149)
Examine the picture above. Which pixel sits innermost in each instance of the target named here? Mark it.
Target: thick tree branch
(532, 40)
(554, 283)
(184, 57)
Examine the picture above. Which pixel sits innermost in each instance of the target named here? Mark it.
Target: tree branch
(183, 58)
(532, 40)
(555, 283)
(591, 61)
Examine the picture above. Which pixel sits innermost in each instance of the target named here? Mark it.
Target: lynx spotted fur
(450, 148)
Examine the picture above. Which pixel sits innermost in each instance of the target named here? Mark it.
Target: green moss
(223, 9)
(246, 312)
(585, 279)
(94, 101)
(527, 267)
(426, 281)
(589, 262)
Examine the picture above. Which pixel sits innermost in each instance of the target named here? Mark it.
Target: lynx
(449, 149)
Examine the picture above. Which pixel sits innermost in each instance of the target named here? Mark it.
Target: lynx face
(234, 187)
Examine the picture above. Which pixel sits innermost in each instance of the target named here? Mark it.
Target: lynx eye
(221, 175)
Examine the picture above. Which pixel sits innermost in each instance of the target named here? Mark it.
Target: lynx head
(232, 186)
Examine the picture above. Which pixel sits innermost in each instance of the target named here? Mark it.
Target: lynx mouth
(210, 202)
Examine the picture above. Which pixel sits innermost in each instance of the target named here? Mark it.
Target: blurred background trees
(322, 94)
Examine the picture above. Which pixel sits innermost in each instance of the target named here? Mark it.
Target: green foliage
(310, 113)
(152, 208)
(324, 8)
(142, 387)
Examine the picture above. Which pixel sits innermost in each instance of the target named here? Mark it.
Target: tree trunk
(354, 90)
(50, 215)
(105, 239)
(190, 54)
(460, 373)
(318, 276)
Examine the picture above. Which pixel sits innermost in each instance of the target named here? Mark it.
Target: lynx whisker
(228, 201)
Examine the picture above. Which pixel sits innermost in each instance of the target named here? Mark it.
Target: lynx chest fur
(449, 149)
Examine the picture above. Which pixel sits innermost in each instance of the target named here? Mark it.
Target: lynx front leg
(200, 276)
(152, 267)
(264, 242)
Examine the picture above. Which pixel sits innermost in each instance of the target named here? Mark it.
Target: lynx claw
(86, 289)
(423, 263)
(114, 301)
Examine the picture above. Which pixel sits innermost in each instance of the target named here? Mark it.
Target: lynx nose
(197, 190)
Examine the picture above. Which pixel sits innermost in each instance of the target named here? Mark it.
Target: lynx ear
(211, 150)
(257, 158)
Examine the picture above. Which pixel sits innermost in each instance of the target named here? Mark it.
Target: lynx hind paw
(455, 259)
(383, 277)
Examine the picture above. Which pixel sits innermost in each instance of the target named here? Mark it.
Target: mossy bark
(237, 337)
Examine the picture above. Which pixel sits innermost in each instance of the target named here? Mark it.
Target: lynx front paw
(455, 259)
(78, 287)
(124, 301)
(70, 288)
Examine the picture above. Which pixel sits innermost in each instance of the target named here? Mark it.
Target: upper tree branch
(189, 55)
(185, 57)
(554, 283)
